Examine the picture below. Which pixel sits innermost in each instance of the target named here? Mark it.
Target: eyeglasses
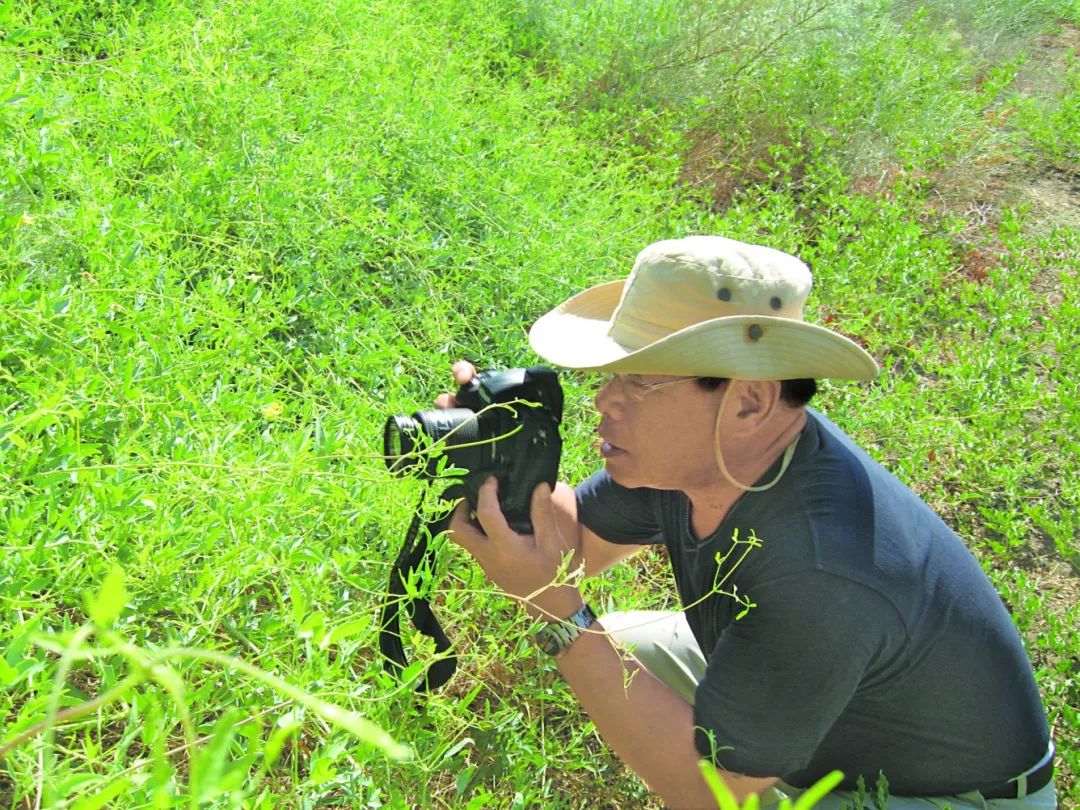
(635, 386)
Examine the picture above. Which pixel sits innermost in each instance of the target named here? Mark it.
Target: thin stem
(73, 713)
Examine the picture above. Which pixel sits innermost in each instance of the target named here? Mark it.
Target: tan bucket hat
(702, 306)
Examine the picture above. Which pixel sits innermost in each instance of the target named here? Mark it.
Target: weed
(235, 236)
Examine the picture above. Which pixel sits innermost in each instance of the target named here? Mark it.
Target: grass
(235, 236)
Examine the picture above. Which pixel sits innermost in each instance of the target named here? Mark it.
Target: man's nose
(608, 397)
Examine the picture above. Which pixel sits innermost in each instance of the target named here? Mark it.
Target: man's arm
(596, 554)
(649, 726)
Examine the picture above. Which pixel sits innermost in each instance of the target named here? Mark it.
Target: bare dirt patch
(1041, 76)
(721, 164)
(1053, 198)
(1051, 194)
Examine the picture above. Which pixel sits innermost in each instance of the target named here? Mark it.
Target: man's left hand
(527, 566)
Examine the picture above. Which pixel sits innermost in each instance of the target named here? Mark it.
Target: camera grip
(517, 518)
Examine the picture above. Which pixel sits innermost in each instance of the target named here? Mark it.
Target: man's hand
(526, 566)
(463, 372)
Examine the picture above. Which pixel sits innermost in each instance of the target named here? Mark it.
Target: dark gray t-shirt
(875, 643)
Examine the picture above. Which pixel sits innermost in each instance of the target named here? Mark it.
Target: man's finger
(541, 508)
(463, 371)
(489, 513)
(463, 532)
(542, 512)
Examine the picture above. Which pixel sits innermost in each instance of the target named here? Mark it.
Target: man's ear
(756, 400)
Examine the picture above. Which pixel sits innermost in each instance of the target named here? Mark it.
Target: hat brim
(575, 335)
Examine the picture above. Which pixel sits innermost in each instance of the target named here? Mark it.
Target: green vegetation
(236, 235)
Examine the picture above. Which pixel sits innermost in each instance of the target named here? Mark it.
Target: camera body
(506, 424)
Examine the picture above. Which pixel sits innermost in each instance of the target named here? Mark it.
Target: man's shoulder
(861, 522)
(838, 481)
(825, 497)
(831, 444)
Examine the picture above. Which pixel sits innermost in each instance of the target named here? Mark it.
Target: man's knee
(662, 642)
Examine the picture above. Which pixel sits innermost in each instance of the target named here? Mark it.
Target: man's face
(657, 431)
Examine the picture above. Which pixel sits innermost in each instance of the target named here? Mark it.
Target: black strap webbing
(415, 551)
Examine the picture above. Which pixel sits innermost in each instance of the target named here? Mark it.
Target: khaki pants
(664, 645)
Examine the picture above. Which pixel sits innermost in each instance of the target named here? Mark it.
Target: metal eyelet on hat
(775, 302)
(724, 294)
(754, 331)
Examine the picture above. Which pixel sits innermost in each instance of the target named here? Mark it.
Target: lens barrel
(399, 444)
(406, 454)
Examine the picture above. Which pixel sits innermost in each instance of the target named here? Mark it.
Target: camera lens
(405, 453)
(399, 442)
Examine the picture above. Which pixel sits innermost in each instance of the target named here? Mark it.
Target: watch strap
(555, 637)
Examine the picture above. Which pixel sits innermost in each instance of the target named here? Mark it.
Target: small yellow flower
(25, 220)
(272, 410)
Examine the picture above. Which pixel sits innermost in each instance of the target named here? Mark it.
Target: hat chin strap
(788, 453)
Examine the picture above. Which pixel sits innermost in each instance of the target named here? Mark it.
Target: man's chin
(621, 476)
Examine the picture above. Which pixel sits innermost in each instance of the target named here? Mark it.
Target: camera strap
(415, 552)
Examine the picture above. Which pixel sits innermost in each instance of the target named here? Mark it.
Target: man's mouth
(607, 449)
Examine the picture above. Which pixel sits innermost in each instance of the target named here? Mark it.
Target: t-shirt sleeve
(616, 513)
(779, 678)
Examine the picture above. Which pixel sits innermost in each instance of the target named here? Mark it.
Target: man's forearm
(649, 726)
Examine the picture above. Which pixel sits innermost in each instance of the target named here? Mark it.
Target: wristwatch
(555, 637)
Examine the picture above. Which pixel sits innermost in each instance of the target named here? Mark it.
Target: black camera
(506, 424)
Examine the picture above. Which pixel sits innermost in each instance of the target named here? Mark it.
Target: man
(832, 620)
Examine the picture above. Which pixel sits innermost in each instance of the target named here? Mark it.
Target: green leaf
(725, 799)
(16, 440)
(322, 772)
(356, 725)
(463, 780)
(816, 792)
(345, 631)
(211, 764)
(103, 797)
(135, 251)
(314, 627)
(8, 673)
(75, 783)
(299, 602)
(110, 600)
(288, 725)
